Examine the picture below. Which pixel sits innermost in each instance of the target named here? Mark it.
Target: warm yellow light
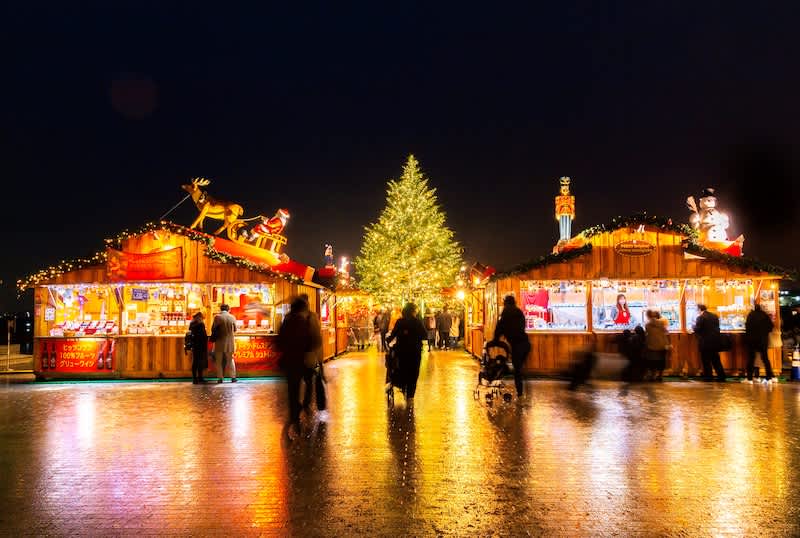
(460, 295)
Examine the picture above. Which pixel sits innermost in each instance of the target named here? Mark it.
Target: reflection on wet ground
(669, 459)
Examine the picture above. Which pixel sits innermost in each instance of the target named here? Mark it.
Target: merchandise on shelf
(731, 300)
(553, 305)
(611, 297)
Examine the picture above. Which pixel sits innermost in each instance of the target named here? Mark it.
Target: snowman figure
(707, 219)
(712, 224)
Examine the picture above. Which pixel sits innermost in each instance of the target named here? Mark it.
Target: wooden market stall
(355, 310)
(569, 297)
(124, 312)
(476, 279)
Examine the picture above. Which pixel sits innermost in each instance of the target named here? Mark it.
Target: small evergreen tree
(409, 254)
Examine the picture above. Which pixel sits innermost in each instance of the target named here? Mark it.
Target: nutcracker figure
(565, 211)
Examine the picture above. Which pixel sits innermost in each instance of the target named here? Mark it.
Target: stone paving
(172, 458)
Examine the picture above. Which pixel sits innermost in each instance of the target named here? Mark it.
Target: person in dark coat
(756, 335)
(512, 325)
(430, 326)
(709, 343)
(199, 341)
(443, 324)
(298, 338)
(631, 345)
(410, 333)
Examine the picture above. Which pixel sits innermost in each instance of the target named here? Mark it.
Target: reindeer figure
(227, 212)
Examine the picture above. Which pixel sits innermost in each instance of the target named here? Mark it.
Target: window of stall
(731, 300)
(81, 310)
(766, 297)
(326, 300)
(491, 307)
(253, 305)
(356, 312)
(553, 305)
(618, 305)
(163, 308)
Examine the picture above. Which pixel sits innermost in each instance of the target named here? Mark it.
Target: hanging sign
(162, 265)
(634, 247)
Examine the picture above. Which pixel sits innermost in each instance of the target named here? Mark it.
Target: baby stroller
(495, 363)
(394, 377)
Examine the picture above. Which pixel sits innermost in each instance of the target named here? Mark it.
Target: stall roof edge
(647, 223)
(51, 274)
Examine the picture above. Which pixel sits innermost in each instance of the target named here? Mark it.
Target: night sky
(108, 109)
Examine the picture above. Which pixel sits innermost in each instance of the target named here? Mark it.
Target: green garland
(216, 255)
(54, 271)
(738, 261)
(543, 261)
(637, 219)
(194, 235)
(100, 258)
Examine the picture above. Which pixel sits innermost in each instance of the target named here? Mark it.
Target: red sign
(130, 266)
(77, 355)
(256, 353)
(264, 257)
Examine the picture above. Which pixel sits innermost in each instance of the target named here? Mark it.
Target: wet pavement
(171, 458)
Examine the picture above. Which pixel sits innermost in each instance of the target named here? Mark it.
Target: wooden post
(589, 321)
(682, 307)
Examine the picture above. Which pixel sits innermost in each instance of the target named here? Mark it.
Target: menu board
(77, 355)
(256, 353)
(139, 294)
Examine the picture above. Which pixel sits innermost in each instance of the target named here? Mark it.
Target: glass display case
(252, 305)
(166, 308)
(159, 308)
(81, 310)
(610, 297)
(553, 305)
(326, 303)
(731, 300)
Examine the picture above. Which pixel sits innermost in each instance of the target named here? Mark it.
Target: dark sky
(108, 109)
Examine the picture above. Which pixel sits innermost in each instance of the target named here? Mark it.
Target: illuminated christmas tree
(409, 254)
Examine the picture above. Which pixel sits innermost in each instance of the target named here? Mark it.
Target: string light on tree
(410, 253)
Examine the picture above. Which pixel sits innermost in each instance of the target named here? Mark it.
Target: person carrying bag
(312, 360)
(300, 344)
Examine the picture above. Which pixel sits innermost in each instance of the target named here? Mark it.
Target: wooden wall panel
(328, 342)
(476, 341)
(553, 353)
(341, 339)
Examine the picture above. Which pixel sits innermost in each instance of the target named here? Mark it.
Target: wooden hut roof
(675, 254)
(93, 269)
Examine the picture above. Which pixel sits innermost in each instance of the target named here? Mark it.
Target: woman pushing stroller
(409, 333)
(511, 325)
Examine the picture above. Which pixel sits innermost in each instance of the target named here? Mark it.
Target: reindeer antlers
(200, 181)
